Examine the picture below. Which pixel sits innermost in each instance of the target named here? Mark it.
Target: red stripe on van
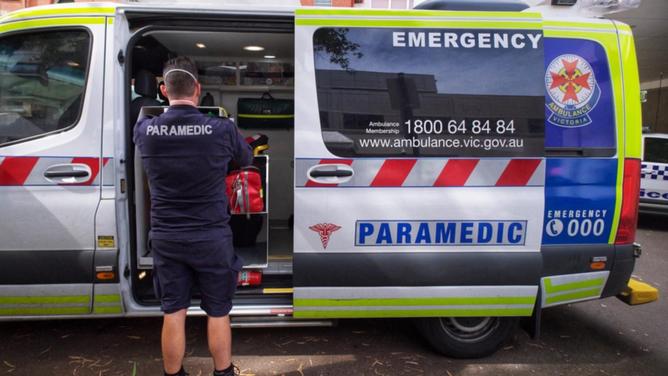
(456, 172)
(518, 172)
(15, 170)
(93, 164)
(311, 183)
(393, 172)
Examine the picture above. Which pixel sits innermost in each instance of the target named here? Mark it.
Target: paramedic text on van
(433, 39)
(440, 233)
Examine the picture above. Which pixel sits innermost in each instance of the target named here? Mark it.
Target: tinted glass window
(579, 97)
(656, 150)
(42, 80)
(430, 92)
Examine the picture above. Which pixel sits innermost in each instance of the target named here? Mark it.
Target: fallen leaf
(45, 351)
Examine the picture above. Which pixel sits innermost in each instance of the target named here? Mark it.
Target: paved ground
(603, 337)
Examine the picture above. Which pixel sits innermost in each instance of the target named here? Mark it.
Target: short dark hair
(180, 84)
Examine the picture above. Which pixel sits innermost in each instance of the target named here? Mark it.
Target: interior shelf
(254, 256)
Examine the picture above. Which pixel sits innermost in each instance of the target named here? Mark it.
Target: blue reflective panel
(579, 200)
(579, 111)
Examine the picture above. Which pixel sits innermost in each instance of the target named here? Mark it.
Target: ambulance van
(464, 168)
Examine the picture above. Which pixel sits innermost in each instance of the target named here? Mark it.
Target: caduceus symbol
(325, 230)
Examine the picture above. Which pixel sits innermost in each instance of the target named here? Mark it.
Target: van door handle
(65, 174)
(334, 173)
(330, 173)
(70, 173)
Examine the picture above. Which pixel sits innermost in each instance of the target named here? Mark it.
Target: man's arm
(243, 155)
(136, 136)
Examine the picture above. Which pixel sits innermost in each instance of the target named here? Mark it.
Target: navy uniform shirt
(185, 155)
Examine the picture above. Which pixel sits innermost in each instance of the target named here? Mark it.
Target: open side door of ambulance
(419, 163)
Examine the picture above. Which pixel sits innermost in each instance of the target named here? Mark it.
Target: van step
(277, 322)
(278, 290)
(245, 291)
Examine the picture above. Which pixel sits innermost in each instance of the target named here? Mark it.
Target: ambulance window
(579, 105)
(386, 92)
(42, 82)
(656, 150)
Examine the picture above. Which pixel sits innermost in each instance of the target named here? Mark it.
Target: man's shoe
(232, 370)
(182, 372)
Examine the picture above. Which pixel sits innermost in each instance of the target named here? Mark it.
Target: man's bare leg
(174, 340)
(219, 334)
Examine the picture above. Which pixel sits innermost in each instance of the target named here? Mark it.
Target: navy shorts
(179, 265)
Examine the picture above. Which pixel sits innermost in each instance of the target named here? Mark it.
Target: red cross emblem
(570, 80)
(325, 230)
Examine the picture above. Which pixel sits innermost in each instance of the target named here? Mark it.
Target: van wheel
(467, 337)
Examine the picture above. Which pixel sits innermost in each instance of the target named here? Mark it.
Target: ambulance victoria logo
(325, 230)
(573, 91)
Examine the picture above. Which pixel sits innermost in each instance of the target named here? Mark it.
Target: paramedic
(185, 155)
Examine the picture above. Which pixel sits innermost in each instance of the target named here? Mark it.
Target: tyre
(467, 337)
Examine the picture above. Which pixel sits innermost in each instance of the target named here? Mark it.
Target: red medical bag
(244, 190)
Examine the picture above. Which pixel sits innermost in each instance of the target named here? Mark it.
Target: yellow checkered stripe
(416, 19)
(106, 304)
(427, 301)
(51, 22)
(47, 305)
(414, 307)
(58, 12)
(44, 305)
(570, 288)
